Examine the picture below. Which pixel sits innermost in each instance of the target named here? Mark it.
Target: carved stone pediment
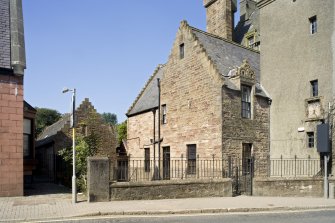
(246, 73)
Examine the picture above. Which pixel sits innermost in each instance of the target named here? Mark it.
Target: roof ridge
(226, 40)
(160, 66)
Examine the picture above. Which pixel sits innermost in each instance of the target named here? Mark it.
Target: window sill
(313, 99)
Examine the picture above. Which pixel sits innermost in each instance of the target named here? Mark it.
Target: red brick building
(12, 65)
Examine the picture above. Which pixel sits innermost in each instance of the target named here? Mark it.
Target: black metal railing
(139, 169)
(136, 169)
(295, 167)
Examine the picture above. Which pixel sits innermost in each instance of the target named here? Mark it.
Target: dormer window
(251, 42)
(181, 51)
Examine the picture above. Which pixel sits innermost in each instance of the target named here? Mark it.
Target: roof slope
(54, 128)
(28, 107)
(148, 97)
(226, 54)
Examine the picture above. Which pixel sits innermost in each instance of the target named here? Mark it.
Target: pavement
(58, 206)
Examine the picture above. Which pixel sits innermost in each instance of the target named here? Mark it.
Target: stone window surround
(250, 35)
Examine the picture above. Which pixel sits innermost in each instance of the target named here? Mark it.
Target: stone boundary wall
(171, 189)
(286, 187)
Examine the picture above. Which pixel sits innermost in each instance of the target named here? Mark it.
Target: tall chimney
(220, 17)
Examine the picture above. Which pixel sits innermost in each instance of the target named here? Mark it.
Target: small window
(147, 159)
(164, 121)
(314, 88)
(191, 159)
(181, 51)
(251, 42)
(246, 101)
(310, 139)
(313, 25)
(27, 137)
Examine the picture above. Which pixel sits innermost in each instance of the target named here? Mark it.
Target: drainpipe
(154, 143)
(159, 128)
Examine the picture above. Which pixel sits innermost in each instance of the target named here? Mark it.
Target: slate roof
(148, 97)
(226, 54)
(52, 130)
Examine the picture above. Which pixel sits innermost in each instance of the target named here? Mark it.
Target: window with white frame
(310, 139)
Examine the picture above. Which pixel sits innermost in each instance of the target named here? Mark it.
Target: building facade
(12, 65)
(297, 68)
(209, 104)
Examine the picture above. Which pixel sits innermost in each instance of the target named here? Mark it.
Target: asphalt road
(324, 216)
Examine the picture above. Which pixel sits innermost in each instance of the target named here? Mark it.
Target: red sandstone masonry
(8, 110)
(11, 136)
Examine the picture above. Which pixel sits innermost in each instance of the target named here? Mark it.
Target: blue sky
(106, 49)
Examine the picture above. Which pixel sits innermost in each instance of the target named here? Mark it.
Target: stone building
(212, 102)
(247, 30)
(59, 136)
(12, 65)
(298, 69)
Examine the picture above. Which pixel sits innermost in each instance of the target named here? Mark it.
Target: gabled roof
(148, 97)
(226, 54)
(28, 107)
(52, 130)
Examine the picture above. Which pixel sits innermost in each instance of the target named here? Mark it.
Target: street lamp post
(74, 187)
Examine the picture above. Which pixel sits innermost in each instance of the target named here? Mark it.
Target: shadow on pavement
(40, 188)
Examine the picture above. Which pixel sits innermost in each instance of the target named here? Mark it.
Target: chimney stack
(220, 17)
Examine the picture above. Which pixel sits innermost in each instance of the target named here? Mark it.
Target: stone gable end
(191, 91)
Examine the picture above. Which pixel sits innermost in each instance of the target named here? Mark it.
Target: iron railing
(136, 169)
(295, 167)
(139, 169)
